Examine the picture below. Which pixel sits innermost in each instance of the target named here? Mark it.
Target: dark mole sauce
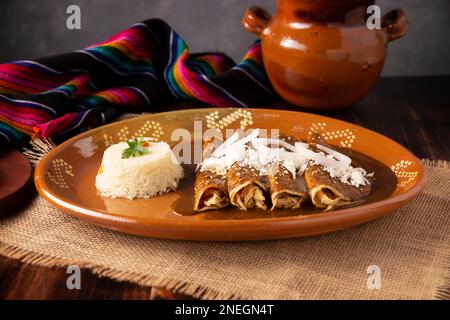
(383, 186)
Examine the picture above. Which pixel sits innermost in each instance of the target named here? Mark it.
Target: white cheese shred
(254, 151)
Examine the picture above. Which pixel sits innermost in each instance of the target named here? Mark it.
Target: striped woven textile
(135, 70)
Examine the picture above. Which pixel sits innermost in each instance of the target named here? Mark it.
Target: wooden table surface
(413, 111)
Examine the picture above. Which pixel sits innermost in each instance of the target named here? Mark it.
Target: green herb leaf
(136, 147)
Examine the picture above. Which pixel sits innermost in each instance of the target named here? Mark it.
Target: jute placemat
(411, 247)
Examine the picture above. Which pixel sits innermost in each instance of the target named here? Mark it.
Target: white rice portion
(145, 176)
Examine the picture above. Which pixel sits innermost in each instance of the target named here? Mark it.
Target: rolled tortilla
(328, 192)
(285, 191)
(245, 188)
(210, 189)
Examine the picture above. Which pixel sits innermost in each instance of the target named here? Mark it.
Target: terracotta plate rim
(346, 216)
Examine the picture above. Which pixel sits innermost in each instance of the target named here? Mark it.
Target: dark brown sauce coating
(383, 186)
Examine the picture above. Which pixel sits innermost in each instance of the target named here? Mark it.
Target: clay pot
(320, 54)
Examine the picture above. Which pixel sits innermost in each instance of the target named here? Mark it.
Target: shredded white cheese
(253, 151)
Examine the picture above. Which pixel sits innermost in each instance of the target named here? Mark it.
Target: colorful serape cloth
(133, 71)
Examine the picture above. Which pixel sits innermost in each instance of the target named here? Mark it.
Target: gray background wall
(32, 28)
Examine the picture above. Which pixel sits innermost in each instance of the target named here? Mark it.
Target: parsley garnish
(136, 147)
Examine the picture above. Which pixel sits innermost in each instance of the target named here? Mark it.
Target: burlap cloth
(411, 248)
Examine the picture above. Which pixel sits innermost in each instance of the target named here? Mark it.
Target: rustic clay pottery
(320, 54)
(66, 178)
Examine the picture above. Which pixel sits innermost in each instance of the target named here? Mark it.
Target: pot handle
(256, 20)
(395, 24)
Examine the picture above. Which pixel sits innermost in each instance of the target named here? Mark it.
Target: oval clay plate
(66, 178)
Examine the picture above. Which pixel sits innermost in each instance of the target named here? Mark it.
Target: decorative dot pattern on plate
(150, 129)
(149, 126)
(213, 120)
(123, 134)
(345, 137)
(108, 140)
(60, 169)
(404, 176)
